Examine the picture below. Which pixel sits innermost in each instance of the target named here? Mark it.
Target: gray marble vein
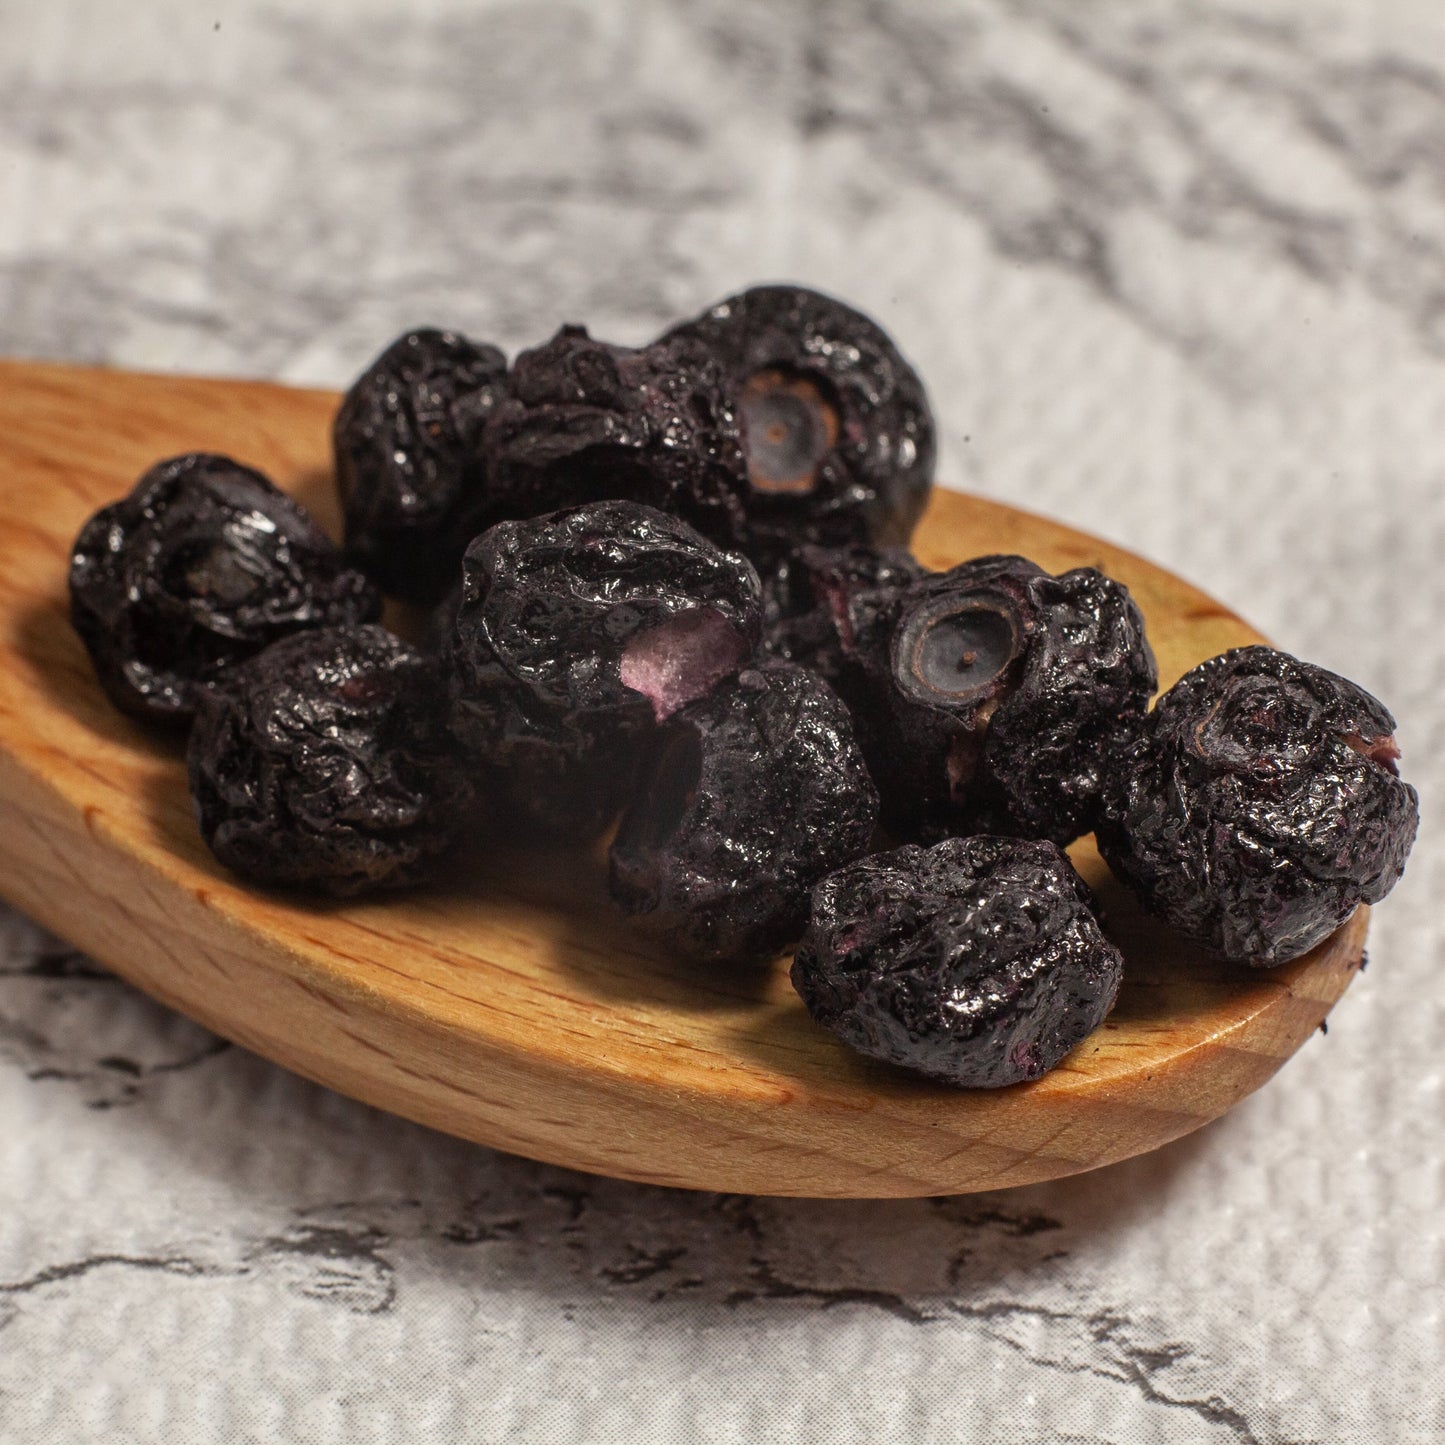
(1174, 272)
(974, 1279)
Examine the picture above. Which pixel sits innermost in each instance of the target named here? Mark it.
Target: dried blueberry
(323, 763)
(579, 631)
(202, 565)
(587, 421)
(836, 426)
(995, 698)
(407, 441)
(978, 962)
(754, 793)
(1262, 806)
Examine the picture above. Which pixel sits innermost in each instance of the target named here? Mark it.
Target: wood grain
(508, 1004)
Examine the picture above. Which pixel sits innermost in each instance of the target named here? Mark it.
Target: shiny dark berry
(753, 794)
(978, 962)
(1262, 806)
(579, 631)
(586, 421)
(407, 441)
(323, 763)
(995, 698)
(202, 565)
(836, 426)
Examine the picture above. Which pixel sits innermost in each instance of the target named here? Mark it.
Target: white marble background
(1176, 273)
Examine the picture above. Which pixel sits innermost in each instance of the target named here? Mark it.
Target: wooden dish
(509, 1005)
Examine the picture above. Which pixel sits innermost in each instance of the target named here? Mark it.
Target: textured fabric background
(1175, 273)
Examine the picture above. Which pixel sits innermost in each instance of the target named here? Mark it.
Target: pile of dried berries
(672, 585)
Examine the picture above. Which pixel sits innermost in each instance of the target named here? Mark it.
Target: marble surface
(1175, 272)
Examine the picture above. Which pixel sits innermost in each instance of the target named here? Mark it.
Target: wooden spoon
(510, 1005)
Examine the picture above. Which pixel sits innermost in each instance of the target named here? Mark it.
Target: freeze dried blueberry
(407, 442)
(1262, 806)
(323, 763)
(836, 426)
(579, 631)
(820, 604)
(202, 565)
(978, 962)
(754, 793)
(995, 698)
(586, 421)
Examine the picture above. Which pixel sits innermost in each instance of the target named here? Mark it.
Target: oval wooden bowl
(509, 1004)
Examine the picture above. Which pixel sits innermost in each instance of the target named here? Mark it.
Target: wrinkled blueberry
(1261, 806)
(586, 421)
(978, 962)
(995, 698)
(754, 793)
(579, 631)
(836, 426)
(202, 565)
(323, 763)
(407, 441)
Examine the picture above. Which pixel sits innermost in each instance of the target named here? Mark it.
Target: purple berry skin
(586, 421)
(407, 445)
(577, 633)
(995, 698)
(755, 792)
(323, 764)
(978, 962)
(203, 564)
(1261, 806)
(836, 426)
